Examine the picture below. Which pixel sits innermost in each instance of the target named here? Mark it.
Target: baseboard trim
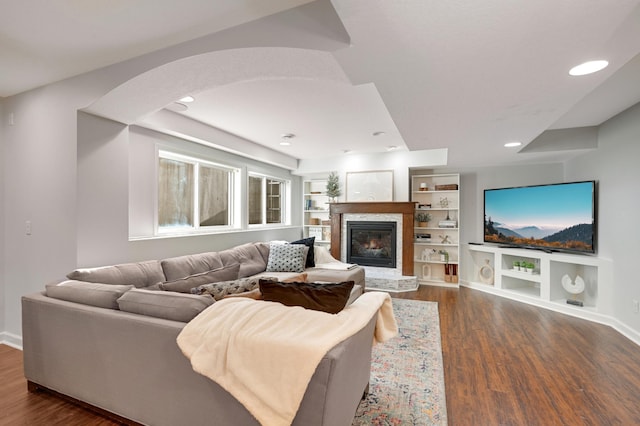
(12, 340)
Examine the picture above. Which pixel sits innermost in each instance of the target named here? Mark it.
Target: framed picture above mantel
(369, 186)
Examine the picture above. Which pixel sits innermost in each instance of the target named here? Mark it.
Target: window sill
(251, 228)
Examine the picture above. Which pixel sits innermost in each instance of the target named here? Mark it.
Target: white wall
(40, 186)
(3, 119)
(398, 161)
(615, 166)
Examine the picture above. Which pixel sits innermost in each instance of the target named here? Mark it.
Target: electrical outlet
(636, 306)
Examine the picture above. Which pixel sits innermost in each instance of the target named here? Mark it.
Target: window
(266, 200)
(194, 193)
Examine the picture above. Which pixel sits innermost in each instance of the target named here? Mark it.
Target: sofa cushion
(318, 274)
(184, 285)
(87, 293)
(322, 255)
(309, 242)
(330, 298)
(139, 274)
(252, 258)
(175, 268)
(164, 304)
(286, 257)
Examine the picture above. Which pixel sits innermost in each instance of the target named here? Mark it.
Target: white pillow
(322, 255)
(286, 257)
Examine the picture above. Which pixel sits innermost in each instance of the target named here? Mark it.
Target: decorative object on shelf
(444, 239)
(444, 202)
(447, 223)
(423, 238)
(528, 267)
(424, 187)
(314, 221)
(423, 219)
(426, 271)
(447, 187)
(315, 231)
(444, 256)
(516, 265)
(576, 288)
(424, 206)
(370, 186)
(426, 255)
(432, 254)
(486, 272)
(333, 187)
(450, 273)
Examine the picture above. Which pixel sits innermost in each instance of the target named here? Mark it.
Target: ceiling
(464, 75)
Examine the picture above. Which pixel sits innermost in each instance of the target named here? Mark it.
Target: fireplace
(371, 243)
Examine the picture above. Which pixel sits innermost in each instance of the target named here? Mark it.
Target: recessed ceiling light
(177, 107)
(286, 139)
(346, 151)
(392, 148)
(187, 99)
(512, 144)
(379, 133)
(588, 67)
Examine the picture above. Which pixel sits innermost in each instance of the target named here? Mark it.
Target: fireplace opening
(371, 243)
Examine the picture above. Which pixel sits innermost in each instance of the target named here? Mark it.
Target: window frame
(285, 200)
(234, 189)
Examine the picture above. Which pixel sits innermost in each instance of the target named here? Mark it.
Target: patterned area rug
(407, 378)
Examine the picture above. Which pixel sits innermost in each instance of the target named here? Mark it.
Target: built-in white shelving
(315, 209)
(493, 271)
(436, 243)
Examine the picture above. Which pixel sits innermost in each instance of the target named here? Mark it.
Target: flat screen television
(555, 217)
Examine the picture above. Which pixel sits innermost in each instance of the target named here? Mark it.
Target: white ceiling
(465, 75)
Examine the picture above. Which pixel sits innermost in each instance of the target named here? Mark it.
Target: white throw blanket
(265, 353)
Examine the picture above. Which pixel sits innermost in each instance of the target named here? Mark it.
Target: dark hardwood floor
(506, 363)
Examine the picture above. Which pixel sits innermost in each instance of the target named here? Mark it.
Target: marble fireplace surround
(406, 209)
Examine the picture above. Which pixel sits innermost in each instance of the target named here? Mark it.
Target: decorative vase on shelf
(486, 273)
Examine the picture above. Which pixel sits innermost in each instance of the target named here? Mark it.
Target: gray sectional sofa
(106, 337)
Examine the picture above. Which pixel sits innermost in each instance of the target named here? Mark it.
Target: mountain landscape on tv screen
(576, 237)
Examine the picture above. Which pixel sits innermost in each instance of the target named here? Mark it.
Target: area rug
(407, 377)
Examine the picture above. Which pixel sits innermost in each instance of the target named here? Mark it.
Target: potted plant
(423, 219)
(530, 267)
(516, 265)
(333, 187)
(444, 256)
